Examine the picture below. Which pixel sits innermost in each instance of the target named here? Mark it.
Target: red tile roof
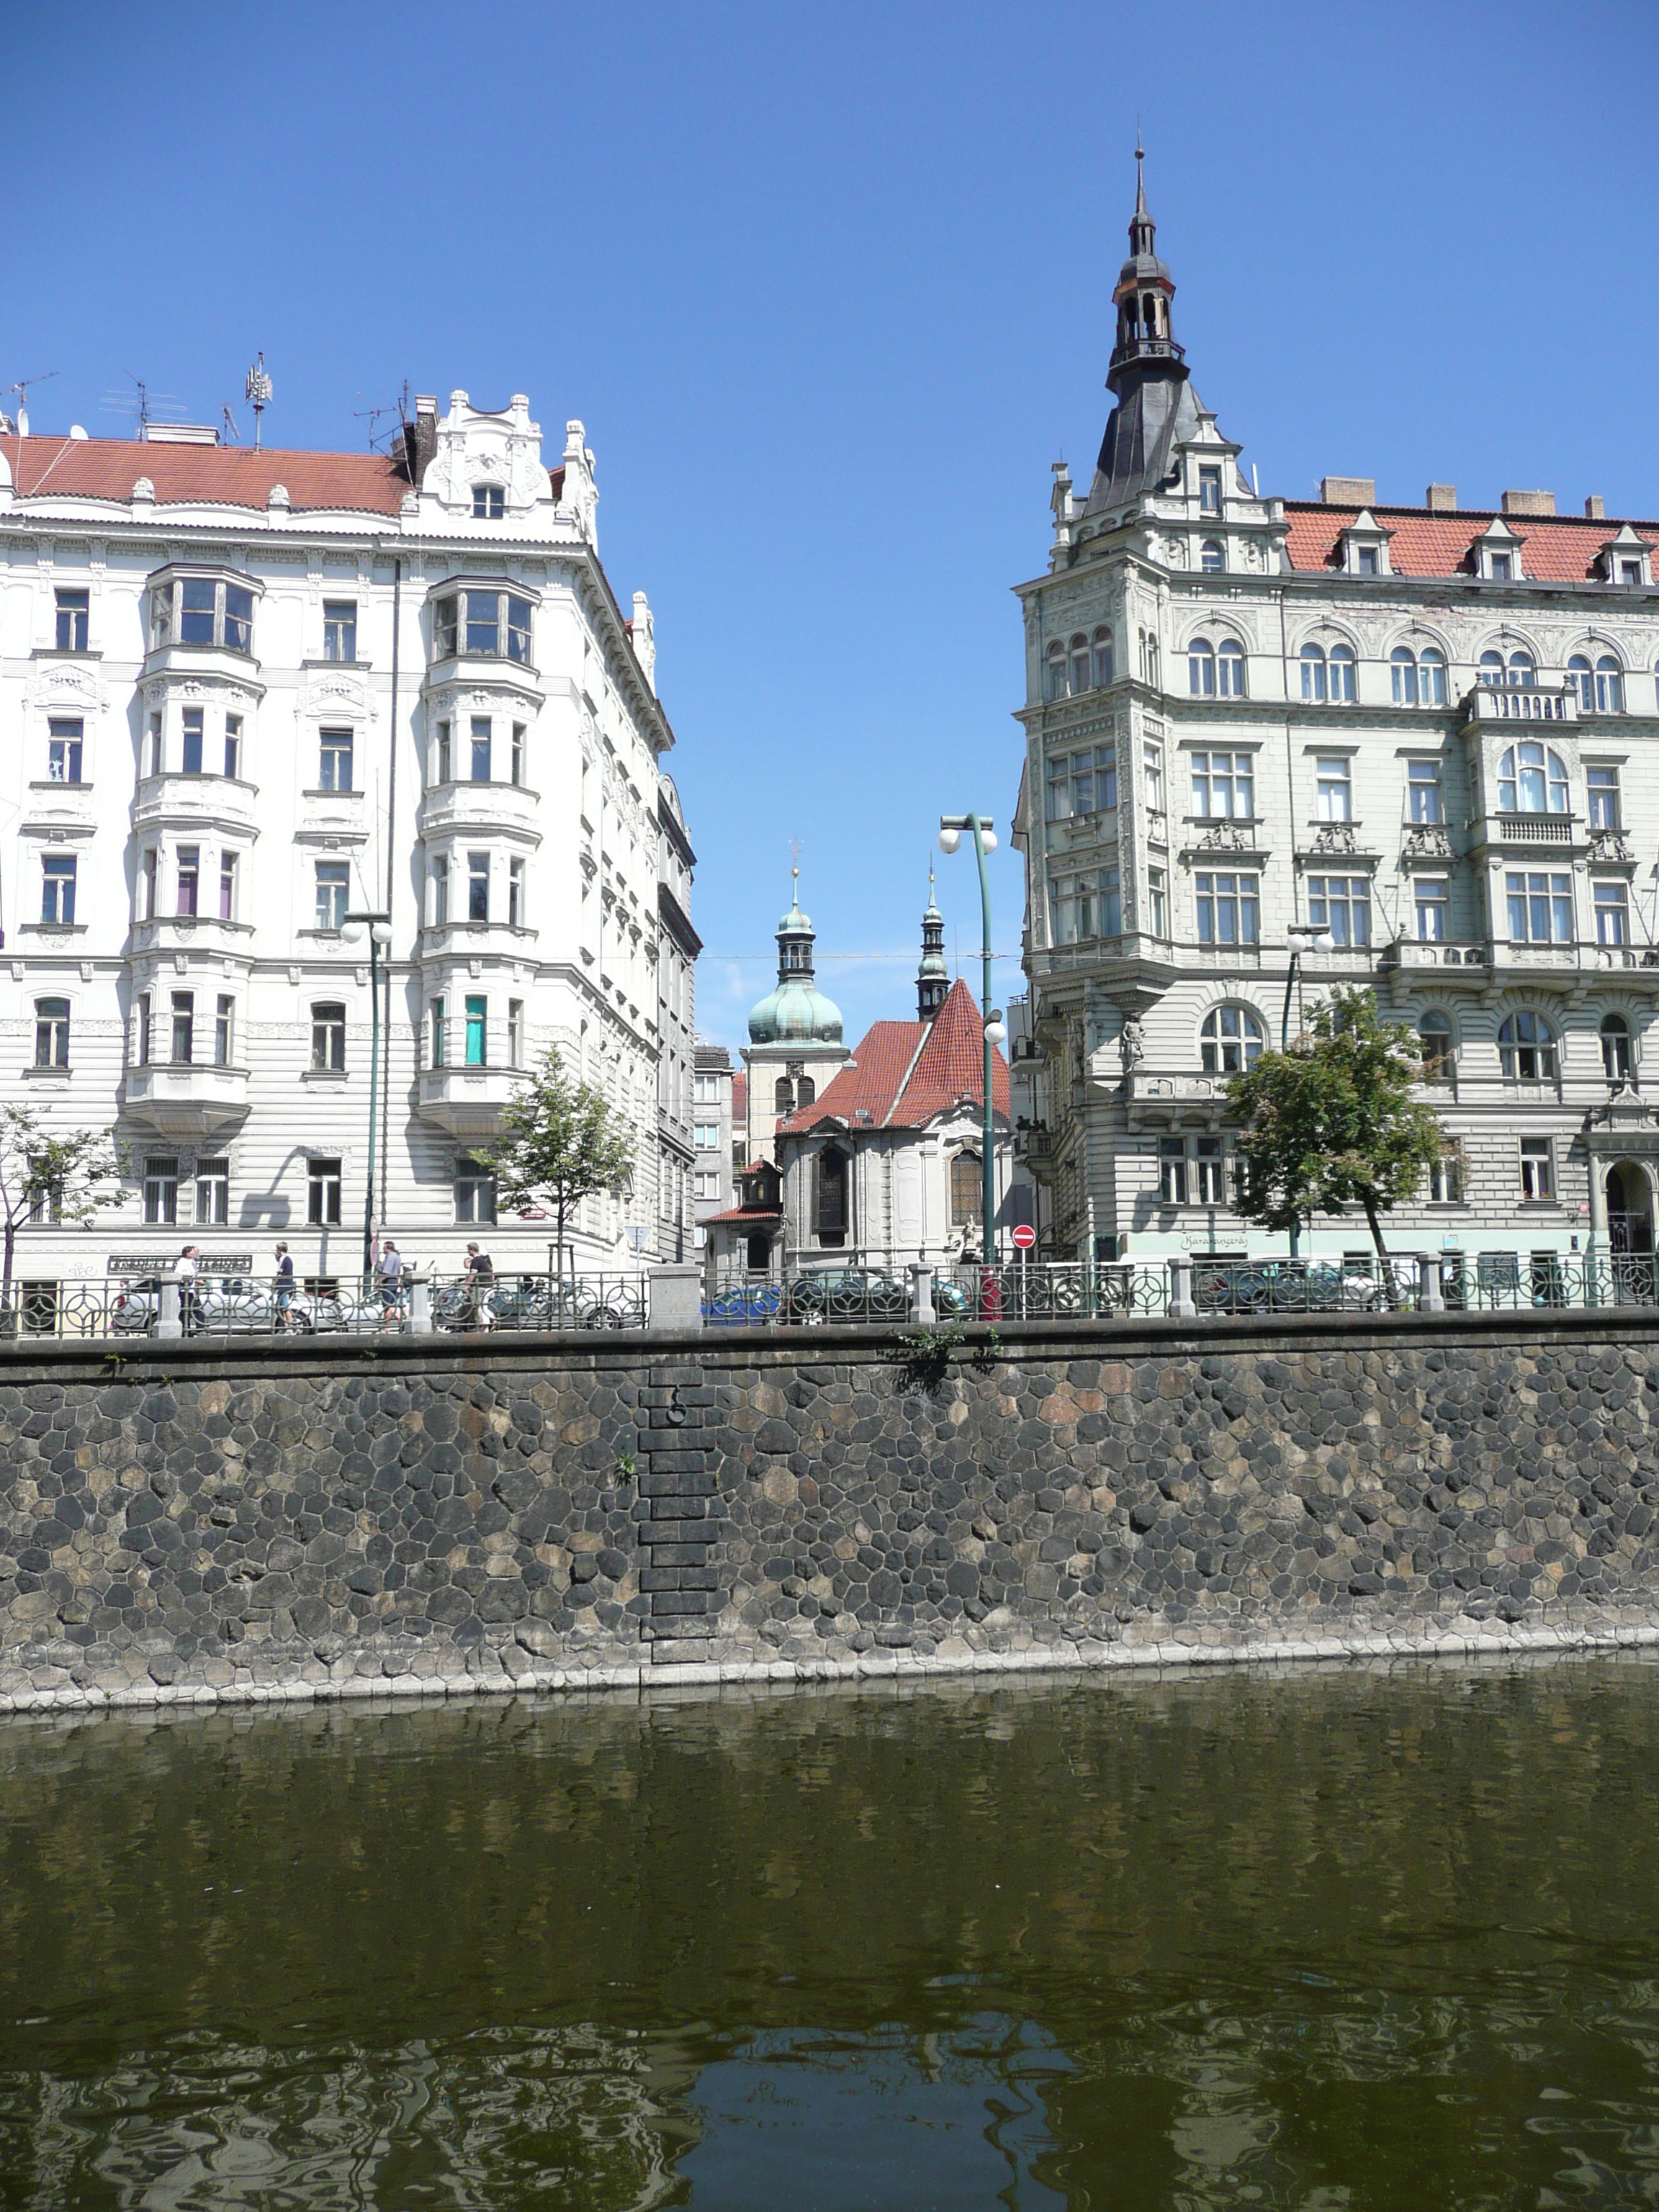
(744, 1213)
(228, 476)
(740, 1097)
(1555, 549)
(903, 1073)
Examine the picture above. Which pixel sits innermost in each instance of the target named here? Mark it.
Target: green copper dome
(797, 1012)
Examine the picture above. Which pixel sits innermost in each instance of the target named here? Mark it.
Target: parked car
(854, 1294)
(223, 1305)
(535, 1303)
(743, 1305)
(1260, 1287)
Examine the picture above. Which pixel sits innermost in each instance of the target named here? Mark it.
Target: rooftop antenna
(257, 390)
(373, 413)
(231, 433)
(21, 388)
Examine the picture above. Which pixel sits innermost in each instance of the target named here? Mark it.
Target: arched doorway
(1630, 1230)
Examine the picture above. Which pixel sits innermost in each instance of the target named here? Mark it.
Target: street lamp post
(1304, 937)
(950, 827)
(379, 932)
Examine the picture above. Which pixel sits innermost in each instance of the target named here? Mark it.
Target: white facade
(1432, 733)
(207, 767)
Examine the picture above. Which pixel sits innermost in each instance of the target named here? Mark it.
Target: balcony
(467, 1101)
(183, 1098)
(192, 932)
(1465, 964)
(196, 802)
(468, 808)
(1521, 702)
(1559, 833)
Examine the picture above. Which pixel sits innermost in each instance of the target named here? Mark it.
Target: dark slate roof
(1137, 452)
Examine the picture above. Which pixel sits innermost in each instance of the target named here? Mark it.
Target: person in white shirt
(186, 1270)
(391, 1285)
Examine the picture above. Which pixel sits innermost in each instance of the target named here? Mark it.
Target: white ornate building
(1430, 734)
(245, 694)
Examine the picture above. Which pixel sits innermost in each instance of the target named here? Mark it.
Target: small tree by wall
(1332, 1122)
(560, 1141)
(65, 1179)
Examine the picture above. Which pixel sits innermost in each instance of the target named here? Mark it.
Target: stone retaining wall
(269, 1519)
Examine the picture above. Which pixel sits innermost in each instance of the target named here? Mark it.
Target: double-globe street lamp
(1304, 937)
(950, 828)
(379, 927)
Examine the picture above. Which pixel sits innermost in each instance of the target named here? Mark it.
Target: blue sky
(830, 289)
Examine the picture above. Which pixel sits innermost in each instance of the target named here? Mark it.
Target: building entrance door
(1630, 1232)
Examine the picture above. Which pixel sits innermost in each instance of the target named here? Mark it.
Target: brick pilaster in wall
(678, 1514)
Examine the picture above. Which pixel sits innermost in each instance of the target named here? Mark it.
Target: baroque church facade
(1277, 745)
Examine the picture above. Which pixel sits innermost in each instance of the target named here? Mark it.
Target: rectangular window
(1209, 491)
(709, 1183)
(1207, 1166)
(333, 883)
(196, 622)
(184, 1027)
(1612, 914)
(1229, 909)
(233, 745)
(1157, 913)
(515, 894)
(334, 769)
(58, 890)
(475, 1190)
(1630, 572)
(190, 754)
(1366, 563)
(51, 1028)
(488, 503)
(71, 622)
(212, 1193)
(141, 1030)
(477, 886)
(477, 1040)
(443, 629)
(188, 902)
(227, 886)
(149, 762)
(1342, 905)
(339, 629)
(1108, 915)
(239, 619)
(515, 1032)
(1172, 1170)
(161, 1192)
(147, 887)
(1152, 764)
(440, 1035)
(518, 753)
(1430, 894)
(1423, 787)
(1223, 786)
(323, 1194)
(1537, 1168)
(1603, 784)
(518, 629)
(1540, 908)
(328, 1031)
(481, 749)
(706, 1135)
(1501, 567)
(63, 753)
(440, 766)
(706, 1090)
(1335, 791)
(1446, 1181)
(224, 1027)
(483, 623)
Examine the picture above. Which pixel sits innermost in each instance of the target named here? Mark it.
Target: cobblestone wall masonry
(192, 1522)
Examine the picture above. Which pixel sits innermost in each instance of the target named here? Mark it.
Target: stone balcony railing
(185, 1098)
(467, 1101)
(1521, 702)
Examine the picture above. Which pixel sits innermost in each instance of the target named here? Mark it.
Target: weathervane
(257, 390)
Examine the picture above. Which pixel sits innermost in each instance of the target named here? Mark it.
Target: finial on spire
(1141, 171)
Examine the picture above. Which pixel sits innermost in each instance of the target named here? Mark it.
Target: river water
(1311, 1939)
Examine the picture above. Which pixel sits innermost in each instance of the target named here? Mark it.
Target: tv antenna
(149, 406)
(21, 388)
(231, 433)
(257, 390)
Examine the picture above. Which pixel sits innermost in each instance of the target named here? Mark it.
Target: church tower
(795, 1043)
(933, 977)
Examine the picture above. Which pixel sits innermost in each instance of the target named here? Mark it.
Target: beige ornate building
(1428, 734)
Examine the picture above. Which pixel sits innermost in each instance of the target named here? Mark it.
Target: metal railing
(127, 1306)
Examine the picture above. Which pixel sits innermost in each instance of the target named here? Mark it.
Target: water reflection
(1321, 1940)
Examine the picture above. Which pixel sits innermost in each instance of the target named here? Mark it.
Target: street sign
(1024, 1236)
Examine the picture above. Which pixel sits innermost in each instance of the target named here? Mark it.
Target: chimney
(1348, 491)
(1596, 509)
(1441, 499)
(420, 440)
(1529, 503)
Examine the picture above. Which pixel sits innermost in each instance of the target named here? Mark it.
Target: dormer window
(489, 623)
(1367, 561)
(488, 503)
(208, 611)
(1502, 568)
(1209, 491)
(1630, 572)
(1496, 554)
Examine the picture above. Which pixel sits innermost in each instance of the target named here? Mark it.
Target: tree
(560, 1141)
(1332, 1122)
(65, 1181)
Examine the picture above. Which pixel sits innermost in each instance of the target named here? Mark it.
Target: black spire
(933, 977)
(1145, 290)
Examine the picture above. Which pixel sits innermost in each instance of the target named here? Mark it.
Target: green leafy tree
(560, 1140)
(1333, 1121)
(65, 1179)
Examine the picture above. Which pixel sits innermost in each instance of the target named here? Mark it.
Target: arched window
(1210, 559)
(1402, 668)
(1104, 669)
(1079, 665)
(1522, 670)
(1231, 1039)
(1342, 674)
(1200, 669)
(1432, 677)
(1526, 1046)
(1532, 780)
(1231, 664)
(1434, 1038)
(1313, 672)
(1054, 686)
(1607, 696)
(806, 1091)
(967, 1189)
(783, 1096)
(1492, 668)
(1615, 1048)
(831, 1209)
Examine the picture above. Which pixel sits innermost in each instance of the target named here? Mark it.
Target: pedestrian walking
(391, 1285)
(481, 1287)
(187, 1269)
(284, 1284)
